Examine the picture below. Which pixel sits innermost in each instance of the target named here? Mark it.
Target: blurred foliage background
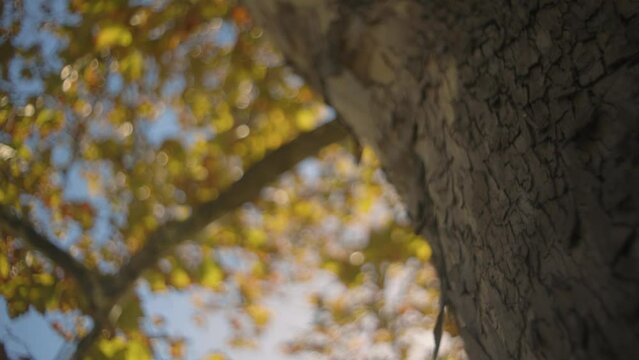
(118, 117)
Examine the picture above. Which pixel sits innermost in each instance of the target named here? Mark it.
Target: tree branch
(173, 233)
(20, 227)
(87, 341)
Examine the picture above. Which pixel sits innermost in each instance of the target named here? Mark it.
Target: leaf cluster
(155, 144)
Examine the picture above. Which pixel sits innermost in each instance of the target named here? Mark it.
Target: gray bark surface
(511, 130)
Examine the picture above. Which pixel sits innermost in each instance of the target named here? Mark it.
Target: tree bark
(511, 131)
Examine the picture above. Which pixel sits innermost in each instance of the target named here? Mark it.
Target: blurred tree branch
(171, 234)
(20, 227)
(104, 291)
(247, 188)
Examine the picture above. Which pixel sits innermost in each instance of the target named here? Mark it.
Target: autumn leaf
(113, 35)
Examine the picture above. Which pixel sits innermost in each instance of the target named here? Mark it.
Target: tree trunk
(511, 131)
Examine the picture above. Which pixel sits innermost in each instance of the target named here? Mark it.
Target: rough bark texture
(511, 130)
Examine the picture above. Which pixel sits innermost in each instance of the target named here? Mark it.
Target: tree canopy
(161, 144)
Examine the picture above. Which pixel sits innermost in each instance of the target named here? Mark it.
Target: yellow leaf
(110, 347)
(212, 277)
(249, 287)
(133, 64)
(258, 269)
(422, 249)
(45, 116)
(256, 238)
(180, 279)
(24, 153)
(215, 356)
(137, 351)
(44, 279)
(156, 281)
(331, 266)
(224, 120)
(113, 35)
(201, 105)
(259, 314)
(305, 119)
(4, 267)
